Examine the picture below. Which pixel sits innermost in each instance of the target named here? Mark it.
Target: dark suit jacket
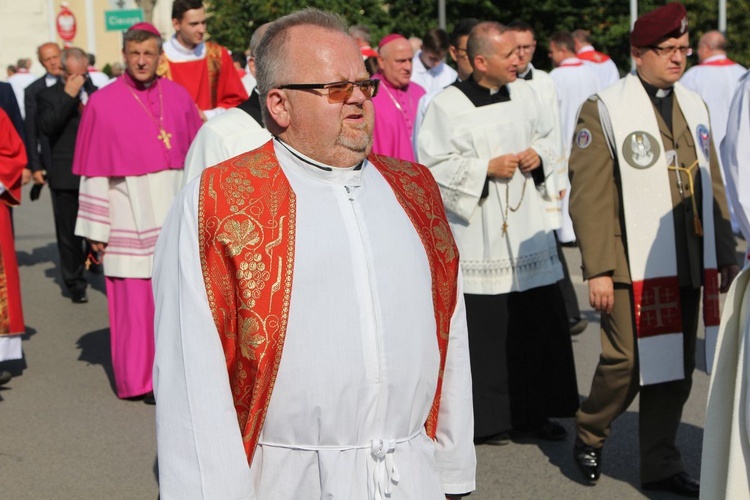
(9, 104)
(59, 116)
(33, 137)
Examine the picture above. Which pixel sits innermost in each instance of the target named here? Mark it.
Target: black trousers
(71, 247)
(522, 364)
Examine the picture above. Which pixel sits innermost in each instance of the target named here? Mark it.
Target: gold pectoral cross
(505, 228)
(164, 137)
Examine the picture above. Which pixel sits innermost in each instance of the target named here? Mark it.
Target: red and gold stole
(246, 224)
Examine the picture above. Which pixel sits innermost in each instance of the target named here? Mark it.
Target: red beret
(668, 21)
(389, 38)
(148, 27)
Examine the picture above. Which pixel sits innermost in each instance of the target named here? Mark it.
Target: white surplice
(127, 214)
(457, 141)
(431, 79)
(222, 137)
(359, 364)
(576, 81)
(735, 155)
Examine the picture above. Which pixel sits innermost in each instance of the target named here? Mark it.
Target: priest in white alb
(496, 173)
(130, 150)
(310, 327)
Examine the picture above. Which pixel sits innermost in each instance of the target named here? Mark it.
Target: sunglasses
(339, 91)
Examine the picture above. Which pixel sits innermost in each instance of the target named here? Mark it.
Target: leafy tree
(232, 22)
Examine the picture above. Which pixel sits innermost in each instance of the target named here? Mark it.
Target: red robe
(12, 162)
(212, 82)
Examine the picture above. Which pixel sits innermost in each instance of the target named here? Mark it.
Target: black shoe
(679, 484)
(577, 325)
(149, 398)
(589, 461)
(500, 439)
(5, 377)
(80, 298)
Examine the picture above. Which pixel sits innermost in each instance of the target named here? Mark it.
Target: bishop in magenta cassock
(396, 103)
(130, 152)
(12, 162)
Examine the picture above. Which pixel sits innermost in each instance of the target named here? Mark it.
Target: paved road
(65, 435)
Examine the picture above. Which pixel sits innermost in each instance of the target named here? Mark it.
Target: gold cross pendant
(505, 228)
(164, 137)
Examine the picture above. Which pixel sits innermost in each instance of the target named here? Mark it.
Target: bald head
(394, 61)
(712, 43)
(49, 57)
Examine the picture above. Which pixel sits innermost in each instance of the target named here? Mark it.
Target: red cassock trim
(720, 62)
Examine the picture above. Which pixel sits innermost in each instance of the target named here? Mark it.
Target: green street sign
(120, 20)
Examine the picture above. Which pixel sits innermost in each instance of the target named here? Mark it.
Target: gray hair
(479, 42)
(360, 31)
(73, 53)
(271, 55)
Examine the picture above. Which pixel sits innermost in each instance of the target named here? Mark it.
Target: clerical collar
(50, 80)
(528, 74)
(130, 82)
(653, 91)
(319, 166)
(181, 49)
(482, 96)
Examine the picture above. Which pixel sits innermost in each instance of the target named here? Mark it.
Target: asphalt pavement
(65, 434)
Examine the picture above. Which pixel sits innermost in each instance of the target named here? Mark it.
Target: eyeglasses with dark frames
(671, 50)
(339, 91)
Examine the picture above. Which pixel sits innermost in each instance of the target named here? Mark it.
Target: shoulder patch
(583, 138)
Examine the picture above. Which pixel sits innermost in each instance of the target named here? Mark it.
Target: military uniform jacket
(596, 200)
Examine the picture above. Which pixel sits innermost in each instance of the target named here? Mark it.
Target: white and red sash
(649, 224)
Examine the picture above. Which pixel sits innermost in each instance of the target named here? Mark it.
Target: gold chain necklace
(163, 136)
(507, 203)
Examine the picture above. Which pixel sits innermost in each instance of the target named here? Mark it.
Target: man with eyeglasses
(397, 101)
(651, 218)
(234, 132)
(488, 141)
(310, 334)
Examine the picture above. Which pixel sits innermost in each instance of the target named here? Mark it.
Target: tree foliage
(232, 22)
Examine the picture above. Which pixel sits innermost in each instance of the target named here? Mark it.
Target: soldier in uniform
(642, 153)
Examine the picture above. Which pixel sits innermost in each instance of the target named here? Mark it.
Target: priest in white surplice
(575, 81)
(735, 155)
(310, 331)
(716, 79)
(495, 172)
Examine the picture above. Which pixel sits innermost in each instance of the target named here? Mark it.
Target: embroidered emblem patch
(704, 140)
(583, 139)
(640, 149)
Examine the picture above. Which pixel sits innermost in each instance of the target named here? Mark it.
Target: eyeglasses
(339, 91)
(671, 50)
(461, 52)
(526, 48)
